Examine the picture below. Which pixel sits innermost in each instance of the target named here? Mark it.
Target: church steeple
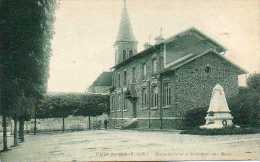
(125, 44)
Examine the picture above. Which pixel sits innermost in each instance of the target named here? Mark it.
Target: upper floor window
(118, 79)
(208, 69)
(154, 65)
(125, 77)
(144, 98)
(124, 55)
(144, 71)
(166, 94)
(130, 53)
(133, 75)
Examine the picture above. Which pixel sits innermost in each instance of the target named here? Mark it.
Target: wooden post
(88, 122)
(63, 124)
(149, 104)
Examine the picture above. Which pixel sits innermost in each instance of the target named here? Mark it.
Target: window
(118, 102)
(125, 77)
(144, 97)
(154, 65)
(207, 69)
(144, 71)
(130, 53)
(133, 75)
(124, 55)
(112, 104)
(166, 94)
(118, 79)
(154, 96)
(124, 104)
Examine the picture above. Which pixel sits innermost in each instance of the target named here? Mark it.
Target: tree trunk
(15, 132)
(63, 124)
(5, 148)
(88, 122)
(21, 130)
(35, 124)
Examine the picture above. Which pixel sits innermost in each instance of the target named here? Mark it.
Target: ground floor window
(166, 94)
(119, 102)
(154, 96)
(112, 102)
(144, 98)
(124, 104)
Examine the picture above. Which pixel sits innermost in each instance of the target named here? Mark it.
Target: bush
(245, 107)
(194, 117)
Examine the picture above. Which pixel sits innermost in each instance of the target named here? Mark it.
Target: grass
(225, 131)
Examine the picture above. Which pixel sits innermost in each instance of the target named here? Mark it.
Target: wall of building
(191, 87)
(139, 84)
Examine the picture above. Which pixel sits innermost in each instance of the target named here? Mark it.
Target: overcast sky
(86, 30)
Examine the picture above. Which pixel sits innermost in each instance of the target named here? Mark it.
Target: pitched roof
(193, 56)
(181, 44)
(104, 79)
(125, 33)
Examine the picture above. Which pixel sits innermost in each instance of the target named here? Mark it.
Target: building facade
(158, 85)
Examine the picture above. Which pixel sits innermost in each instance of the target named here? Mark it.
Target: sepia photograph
(129, 80)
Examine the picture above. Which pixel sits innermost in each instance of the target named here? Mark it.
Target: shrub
(194, 117)
(224, 131)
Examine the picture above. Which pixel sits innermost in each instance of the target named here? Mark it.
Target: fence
(56, 124)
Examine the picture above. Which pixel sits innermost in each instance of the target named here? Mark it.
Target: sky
(85, 31)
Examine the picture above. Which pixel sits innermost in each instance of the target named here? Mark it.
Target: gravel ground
(134, 145)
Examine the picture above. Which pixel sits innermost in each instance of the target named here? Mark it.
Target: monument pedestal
(218, 120)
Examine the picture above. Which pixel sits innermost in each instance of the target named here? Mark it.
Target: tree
(245, 107)
(26, 30)
(64, 104)
(253, 82)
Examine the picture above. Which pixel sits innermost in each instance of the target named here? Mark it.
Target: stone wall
(193, 84)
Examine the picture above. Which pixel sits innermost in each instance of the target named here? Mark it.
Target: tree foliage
(63, 105)
(253, 81)
(26, 30)
(245, 107)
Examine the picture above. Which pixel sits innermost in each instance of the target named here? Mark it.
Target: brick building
(159, 84)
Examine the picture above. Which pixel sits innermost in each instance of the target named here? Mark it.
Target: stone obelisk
(218, 114)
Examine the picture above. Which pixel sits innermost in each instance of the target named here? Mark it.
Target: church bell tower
(125, 44)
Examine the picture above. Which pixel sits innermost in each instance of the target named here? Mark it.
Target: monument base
(218, 120)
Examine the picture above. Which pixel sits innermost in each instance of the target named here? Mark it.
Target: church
(158, 85)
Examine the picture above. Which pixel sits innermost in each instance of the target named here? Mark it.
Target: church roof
(125, 33)
(104, 79)
(182, 44)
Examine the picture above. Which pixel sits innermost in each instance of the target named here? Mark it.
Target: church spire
(125, 44)
(125, 33)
